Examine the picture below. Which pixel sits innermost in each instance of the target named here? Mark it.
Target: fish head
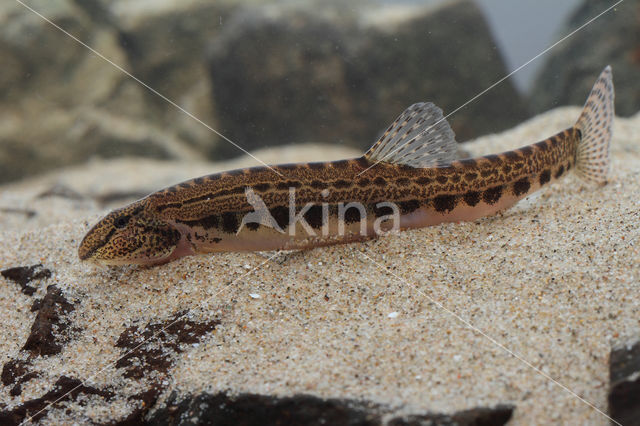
(133, 235)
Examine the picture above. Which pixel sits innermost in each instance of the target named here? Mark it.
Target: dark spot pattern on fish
(468, 162)
(281, 216)
(379, 211)
(526, 150)
(340, 164)
(492, 195)
(229, 222)
(252, 226)
(444, 203)
(313, 216)
(545, 176)
(318, 184)
(364, 182)
(316, 166)
(512, 156)
(207, 222)
(408, 206)
(521, 187)
(341, 183)
(380, 181)
(262, 187)
(471, 198)
(470, 176)
(352, 215)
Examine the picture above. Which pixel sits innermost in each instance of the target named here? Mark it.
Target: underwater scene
(369, 212)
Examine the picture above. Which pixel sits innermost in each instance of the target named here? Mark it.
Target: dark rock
(15, 372)
(22, 275)
(12, 370)
(251, 409)
(177, 69)
(482, 416)
(145, 400)
(283, 79)
(97, 11)
(84, 106)
(64, 389)
(445, 56)
(573, 66)
(293, 77)
(624, 393)
(151, 348)
(298, 74)
(49, 329)
(17, 389)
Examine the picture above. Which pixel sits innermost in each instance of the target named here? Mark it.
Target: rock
(289, 76)
(23, 275)
(140, 358)
(624, 393)
(282, 77)
(65, 389)
(83, 106)
(166, 47)
(274, 74)
(147, 350)
(252, 409)
(447, 56)
(50, 329)
(49, 333)
(613, 39)
(16, 373)
(480, 416)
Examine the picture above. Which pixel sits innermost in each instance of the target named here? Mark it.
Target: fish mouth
(89, 245)
(140, 260)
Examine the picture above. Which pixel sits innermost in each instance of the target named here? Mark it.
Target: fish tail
(595, 126)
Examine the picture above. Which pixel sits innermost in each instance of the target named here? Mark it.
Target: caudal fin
(595, 125)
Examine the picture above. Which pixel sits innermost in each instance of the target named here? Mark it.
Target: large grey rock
(165, 46)
(283, 78)
(613, 39)
(274, 74)
(446, 56)
(289, 76)
(60, 104)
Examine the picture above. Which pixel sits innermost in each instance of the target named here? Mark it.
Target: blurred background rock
(283, 72)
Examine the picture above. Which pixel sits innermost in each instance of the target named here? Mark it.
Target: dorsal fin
(419, 137)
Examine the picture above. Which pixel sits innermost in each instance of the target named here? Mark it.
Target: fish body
(408, 179)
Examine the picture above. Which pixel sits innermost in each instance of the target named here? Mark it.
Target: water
(522, 29)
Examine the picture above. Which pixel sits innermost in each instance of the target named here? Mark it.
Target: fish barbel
(409, 178)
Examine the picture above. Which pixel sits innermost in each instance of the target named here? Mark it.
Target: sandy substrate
(555, 281)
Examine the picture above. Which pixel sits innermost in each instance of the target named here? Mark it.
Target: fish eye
(121, 222)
